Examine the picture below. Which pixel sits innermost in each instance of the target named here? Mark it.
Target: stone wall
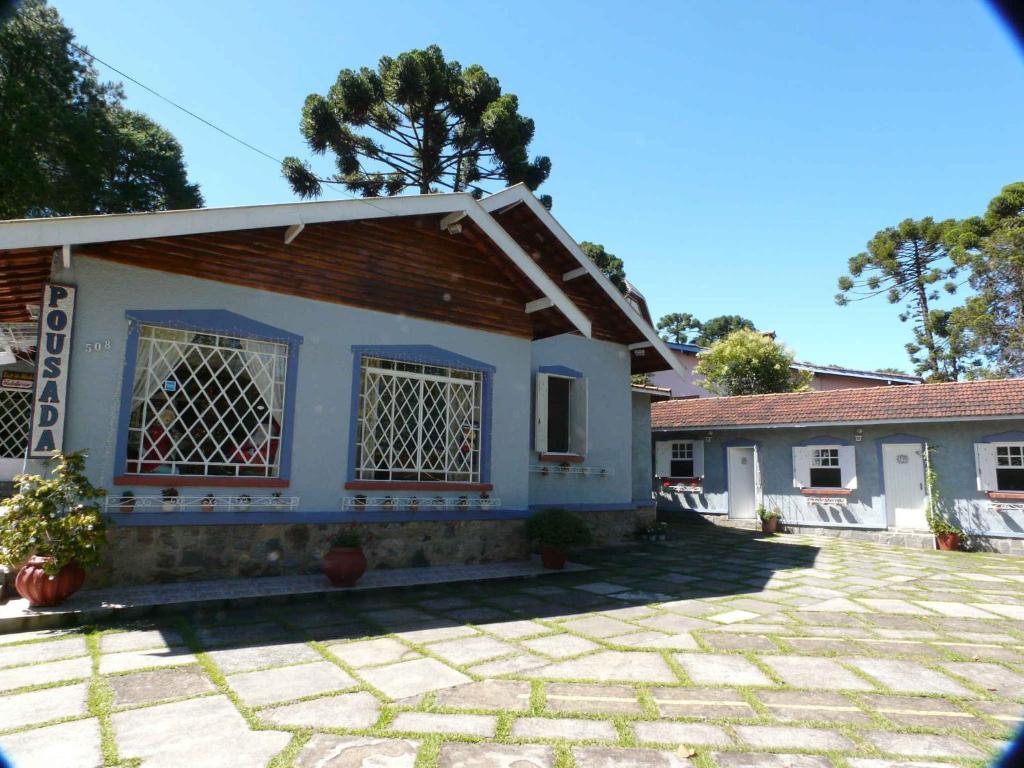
(145, 554)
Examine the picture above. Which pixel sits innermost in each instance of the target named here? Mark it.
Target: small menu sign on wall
(16, 380)
(53, 354)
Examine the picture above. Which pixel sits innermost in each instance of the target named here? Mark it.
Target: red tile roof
(959, 400)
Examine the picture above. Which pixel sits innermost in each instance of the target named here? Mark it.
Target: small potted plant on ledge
(556, 531)
(207, 503)
(170, 499)
(947, 536)
(769, 519)
(345, 563)
(127, 502)
(55, 528)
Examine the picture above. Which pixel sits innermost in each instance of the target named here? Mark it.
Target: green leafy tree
(611, 266)
(416, 121)
(720, 327)
(67, 144)
(678, 327)
(749, 363)
(991, 321)
(906, 263)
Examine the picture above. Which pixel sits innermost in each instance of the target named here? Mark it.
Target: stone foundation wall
(146, 554)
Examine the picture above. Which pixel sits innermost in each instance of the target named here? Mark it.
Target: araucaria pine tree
(416, 122)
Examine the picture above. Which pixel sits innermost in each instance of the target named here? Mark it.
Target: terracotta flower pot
(948, 541)
(771, 525)
(344, 565)
(553, 558)
(42, 589)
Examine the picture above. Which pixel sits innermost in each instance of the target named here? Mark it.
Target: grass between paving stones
(100, 701)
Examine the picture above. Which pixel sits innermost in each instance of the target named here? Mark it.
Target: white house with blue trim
(854, 459)
(249, 380)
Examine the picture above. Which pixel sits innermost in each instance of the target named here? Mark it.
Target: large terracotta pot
(770, 525)
(344, 565)
(948, 541)
(553, 558)
(41, 589)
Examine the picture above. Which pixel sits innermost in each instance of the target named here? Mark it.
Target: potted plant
(127, 502)
(414, 504)
(947, 536)
(170, 499)
(769, 519)
(463, 502)
(345, 562)
(278, 500)
(360, 501)
(244, 502)
(556, 531)
(55, 528)
(208, 502)
(388, 502)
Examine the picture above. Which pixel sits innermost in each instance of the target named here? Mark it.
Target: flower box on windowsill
(1006, 495)
(408, 485)
(187, 481)
(683, 484)
(558, 458)
(826, 491)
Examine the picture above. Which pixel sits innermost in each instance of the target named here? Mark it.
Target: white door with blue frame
(742, 468)
(905, 492)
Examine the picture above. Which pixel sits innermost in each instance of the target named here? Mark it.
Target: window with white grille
(206, 404)
(15, 421)
(682, 460)
(418, 422)
(825, 469)
(1010, 467)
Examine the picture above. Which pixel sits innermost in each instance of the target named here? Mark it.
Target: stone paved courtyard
(717, 649)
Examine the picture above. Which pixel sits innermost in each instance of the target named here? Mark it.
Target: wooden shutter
(698, 458)
(540, 414)
(985, 466)
(802, 467)
(663, 459)
(578, 417)
(848, 466)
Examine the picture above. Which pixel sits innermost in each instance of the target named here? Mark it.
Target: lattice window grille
(15, 423)
(1010, 456)
(418, 422)
(206, 404)
(825, 457)
(682, 451)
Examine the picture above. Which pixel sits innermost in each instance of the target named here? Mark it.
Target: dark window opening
(559, 392)
(826, 477)
(681, 468)
(1010, 479)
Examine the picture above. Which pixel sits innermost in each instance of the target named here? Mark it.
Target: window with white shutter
(560, 415)
(825, 466)
(1000, 466)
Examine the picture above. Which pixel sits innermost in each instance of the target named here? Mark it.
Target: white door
(742, 479)
(905, 495)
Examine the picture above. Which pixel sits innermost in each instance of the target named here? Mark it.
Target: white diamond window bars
(15, 423)
(206, 404)
(418, 422)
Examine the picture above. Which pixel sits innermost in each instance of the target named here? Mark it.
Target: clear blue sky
(734, 154)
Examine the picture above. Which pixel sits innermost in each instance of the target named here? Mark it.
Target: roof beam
(538, 304)
(520, 192)
(292, 232)
(640, 345)
(572, 274)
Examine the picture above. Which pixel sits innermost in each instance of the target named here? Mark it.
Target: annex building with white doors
(853, 459)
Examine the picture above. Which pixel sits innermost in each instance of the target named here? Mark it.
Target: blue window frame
(207, 397)
(420, 414)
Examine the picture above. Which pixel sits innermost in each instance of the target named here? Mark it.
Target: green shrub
(558, 529)
(53, 518)
(347, 539)
(767, 514)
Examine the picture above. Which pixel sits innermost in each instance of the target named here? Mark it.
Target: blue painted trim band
(426, 354)
(560, 370)
(212, 321)
(207, 321)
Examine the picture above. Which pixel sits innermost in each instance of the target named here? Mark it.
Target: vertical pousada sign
(56, 317)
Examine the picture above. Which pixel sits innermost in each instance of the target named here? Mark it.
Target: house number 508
(97, 346)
